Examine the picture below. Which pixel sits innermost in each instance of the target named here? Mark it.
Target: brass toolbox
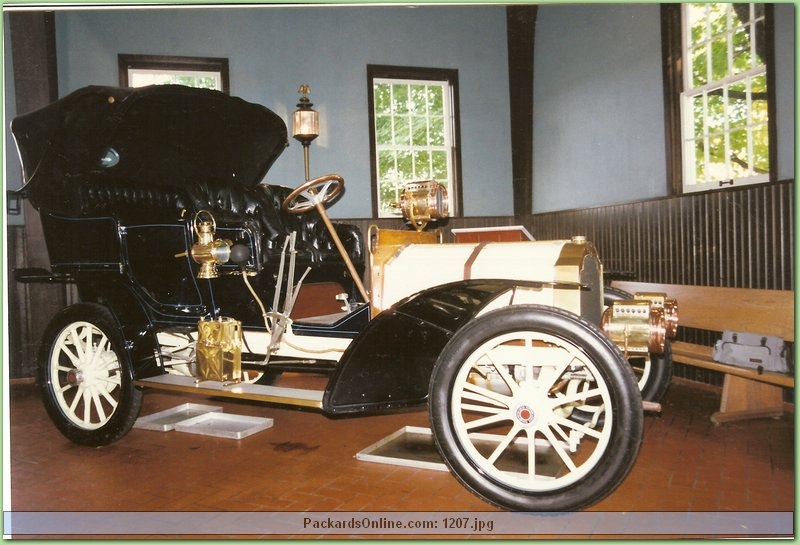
(219, 350)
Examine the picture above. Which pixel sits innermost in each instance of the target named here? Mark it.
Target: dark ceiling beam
(520, 30)
(33, 53)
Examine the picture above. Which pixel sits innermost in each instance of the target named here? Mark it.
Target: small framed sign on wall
(205, 72)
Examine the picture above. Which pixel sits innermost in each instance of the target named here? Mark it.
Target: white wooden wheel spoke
(107, 396)
(97, 400)
(482, 422)
(560, 431)
(102, 347)
(479, 393)
(108, 383)
(75, 401)
(531, 455)
(87, 406)
(504, 444)
(78, 340)
(73, 356)
(507, 378)
(578, 426)
(559, 449)
(576, 396)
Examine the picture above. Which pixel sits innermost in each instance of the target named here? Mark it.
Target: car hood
(164, 135)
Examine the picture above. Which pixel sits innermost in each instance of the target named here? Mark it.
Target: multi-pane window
(724, 104)
(203, 72)
(413, 138)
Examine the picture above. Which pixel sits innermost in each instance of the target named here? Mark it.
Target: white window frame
(447, 81)
(721, 175)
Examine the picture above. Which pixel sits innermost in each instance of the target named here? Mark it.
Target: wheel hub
(98, 366)
(525, 414)
(75, 377)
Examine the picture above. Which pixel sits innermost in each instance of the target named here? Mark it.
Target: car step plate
(242, 390)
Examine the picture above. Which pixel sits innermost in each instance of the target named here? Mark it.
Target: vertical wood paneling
(740, 238)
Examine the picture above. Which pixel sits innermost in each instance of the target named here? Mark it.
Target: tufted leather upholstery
(96, 199)
(228, 202)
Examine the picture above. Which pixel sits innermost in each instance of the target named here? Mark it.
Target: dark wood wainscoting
(735, 238)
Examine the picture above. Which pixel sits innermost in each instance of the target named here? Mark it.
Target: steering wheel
(312, 193)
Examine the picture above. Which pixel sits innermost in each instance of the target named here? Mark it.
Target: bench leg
(744, 399)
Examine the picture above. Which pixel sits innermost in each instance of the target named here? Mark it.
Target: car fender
(135, 322)
(389, 365)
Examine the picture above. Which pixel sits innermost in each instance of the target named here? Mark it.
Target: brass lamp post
(305, 123)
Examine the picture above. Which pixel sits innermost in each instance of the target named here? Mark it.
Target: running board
(241, 390)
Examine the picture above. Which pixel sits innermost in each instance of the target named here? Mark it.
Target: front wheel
(85, 377)
(509, 397)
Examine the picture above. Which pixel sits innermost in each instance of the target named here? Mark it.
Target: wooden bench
(746, 393)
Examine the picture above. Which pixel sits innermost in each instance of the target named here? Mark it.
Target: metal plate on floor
(414, 447)
(410, 446)
(228, 426)
(166, 420)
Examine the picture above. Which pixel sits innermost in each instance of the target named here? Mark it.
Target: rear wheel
(653, 372)
(86, 378)
(509, 397)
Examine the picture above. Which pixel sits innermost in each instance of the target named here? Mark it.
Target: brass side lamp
(208, 252)
(305, 123)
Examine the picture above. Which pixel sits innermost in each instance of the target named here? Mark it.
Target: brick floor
(306, 462)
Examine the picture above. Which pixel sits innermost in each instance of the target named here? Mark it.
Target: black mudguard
(135, 322)
(388, 366)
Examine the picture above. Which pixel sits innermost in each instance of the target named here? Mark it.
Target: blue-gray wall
(598, 118)
(272, 50)
(598, 104)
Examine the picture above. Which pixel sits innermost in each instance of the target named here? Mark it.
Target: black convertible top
(164, 136)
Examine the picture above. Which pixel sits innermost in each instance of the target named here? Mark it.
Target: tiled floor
(306, 463)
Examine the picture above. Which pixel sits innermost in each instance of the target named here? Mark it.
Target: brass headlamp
(642, 324)
(635, 326)
(422, 202)
(669, 306)
(209, 252)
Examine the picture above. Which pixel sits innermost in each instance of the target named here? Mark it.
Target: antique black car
(195, 276)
